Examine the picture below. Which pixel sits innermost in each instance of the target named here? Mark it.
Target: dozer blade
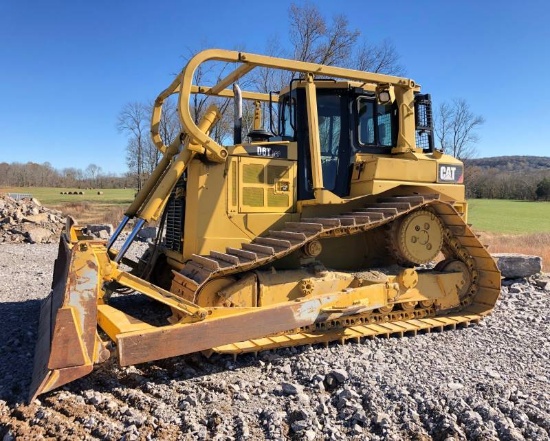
(68, 343)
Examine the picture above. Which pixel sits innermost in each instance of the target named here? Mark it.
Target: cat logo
(450, 173)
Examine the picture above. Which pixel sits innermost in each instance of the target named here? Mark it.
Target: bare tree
(379, 58)
(455, 128)
(169, 124)
(169, 128)
(71, 176)
(92, 173)
(133, 120)
(314, 40)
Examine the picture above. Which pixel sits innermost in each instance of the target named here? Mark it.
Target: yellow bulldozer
(338, 221)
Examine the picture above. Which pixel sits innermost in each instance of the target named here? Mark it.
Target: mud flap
(68, 344)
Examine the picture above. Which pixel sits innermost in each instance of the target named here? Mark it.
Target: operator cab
(351, 120)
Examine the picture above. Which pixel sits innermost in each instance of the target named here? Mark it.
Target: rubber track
(460, 242)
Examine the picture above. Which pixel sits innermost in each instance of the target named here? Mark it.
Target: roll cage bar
(402, 89)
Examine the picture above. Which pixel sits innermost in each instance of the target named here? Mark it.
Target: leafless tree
(142, 156)
(379, 58)
(169, 126)
(71, 176)
(456, 128)
(315, 40)
(133, 120)
(92, 172)
(32, 174)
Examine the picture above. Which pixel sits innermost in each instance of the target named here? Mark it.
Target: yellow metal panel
(212, 221)
(253, 173)
(274, 149)
(277, 172)
(253, 197)
(269, 185)
(115, 322)
(447, 192)
(274, 199)
(390, 168)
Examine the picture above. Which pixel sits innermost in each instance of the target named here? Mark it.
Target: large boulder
(100, 230)
(38, 218)
(39, 235)
(517, 266)
(147, 233)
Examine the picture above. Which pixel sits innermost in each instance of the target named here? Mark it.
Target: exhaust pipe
(238, 118)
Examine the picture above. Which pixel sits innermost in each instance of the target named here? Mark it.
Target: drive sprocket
(417, 238)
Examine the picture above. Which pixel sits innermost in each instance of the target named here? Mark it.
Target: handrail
(183, 84)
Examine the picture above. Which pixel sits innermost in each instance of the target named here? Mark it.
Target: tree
(379, 58)
(92, 172)
(71, 176)
(315, 40)
(169, 125)
(543, 189)
(455, 128)
(133, 120)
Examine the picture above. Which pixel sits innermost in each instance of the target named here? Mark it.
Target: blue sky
(68, 67)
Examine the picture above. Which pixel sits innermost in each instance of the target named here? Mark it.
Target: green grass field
(509, 217)
(52, 196)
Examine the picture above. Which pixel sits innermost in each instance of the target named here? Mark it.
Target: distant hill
(512, 163)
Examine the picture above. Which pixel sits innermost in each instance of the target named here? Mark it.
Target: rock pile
(26, 220)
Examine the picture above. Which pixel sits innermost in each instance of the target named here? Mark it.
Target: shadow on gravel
(172, 372)
(18, 328)
(147, 376)
(109, 375)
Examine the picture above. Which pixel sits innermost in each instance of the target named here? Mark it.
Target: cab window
(288, 114)
(366, 121)
(329, 114)
(377, 123)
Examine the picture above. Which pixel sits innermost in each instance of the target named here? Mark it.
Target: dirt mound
(26, 220)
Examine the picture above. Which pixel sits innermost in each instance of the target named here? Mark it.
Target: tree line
(490, 181)
(32, 174)
(494, 183)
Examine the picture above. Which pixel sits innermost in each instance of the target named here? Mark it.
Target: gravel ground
(484, 382)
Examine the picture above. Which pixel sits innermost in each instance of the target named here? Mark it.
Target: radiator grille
(175, 216)
(277, 199)
(276, 172)
(234, 183)
(253, 197)
(253, 174)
